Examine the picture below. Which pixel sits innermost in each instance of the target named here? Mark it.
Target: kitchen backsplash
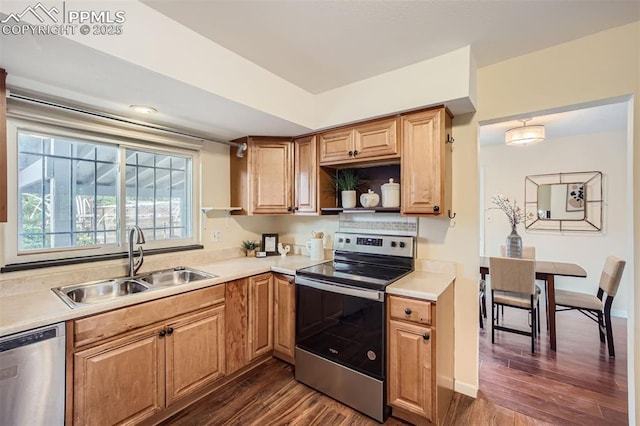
(379, 223)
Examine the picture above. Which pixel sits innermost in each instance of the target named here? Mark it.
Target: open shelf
(336, 210)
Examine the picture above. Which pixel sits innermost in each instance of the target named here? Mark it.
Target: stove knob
(348, 241)
(402, 244)
(393, 243)
(340, 240)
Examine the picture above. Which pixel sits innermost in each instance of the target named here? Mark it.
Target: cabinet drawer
(102, 326)
(418, 311)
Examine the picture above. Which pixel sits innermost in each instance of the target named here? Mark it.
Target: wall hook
(449, 214)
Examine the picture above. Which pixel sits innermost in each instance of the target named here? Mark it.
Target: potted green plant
(250, 247)
(346, 182)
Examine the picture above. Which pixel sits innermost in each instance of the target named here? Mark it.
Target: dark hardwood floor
(577, 384)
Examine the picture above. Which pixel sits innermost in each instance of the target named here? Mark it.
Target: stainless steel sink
(99, 291)
(175, 276)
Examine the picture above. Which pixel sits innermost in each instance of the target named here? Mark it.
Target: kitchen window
(77, 193)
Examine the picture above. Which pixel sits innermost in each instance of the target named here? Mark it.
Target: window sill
(13, 267)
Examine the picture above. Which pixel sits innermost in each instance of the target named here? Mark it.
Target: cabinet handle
(289, 208)
(169, 331)
(436, 208)
(162, 333)
(296, 208)
(350, 153)
(426, 336)
(407, 311)
(355, 153)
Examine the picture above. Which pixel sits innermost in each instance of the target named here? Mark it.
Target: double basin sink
(107, 290)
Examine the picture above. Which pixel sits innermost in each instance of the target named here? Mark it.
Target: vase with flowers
(515, 215)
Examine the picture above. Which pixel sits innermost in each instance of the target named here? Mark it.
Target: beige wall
(601, 66)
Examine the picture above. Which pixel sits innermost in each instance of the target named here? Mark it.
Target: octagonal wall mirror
(564, 201)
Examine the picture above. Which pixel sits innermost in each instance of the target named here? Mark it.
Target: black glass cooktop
(374, 272)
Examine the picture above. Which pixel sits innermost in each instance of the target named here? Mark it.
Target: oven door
(342, 324)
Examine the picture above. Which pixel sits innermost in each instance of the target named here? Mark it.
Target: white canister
(391, 194)
(316, 249)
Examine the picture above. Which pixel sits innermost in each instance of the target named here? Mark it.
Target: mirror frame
(592, 206)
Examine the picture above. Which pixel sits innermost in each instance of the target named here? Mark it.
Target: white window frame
(149, 143)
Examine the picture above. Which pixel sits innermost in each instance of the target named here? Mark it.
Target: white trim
(466, 389)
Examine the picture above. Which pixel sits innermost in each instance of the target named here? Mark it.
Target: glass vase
(514, 244)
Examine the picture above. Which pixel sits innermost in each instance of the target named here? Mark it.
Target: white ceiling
(316, 45)
(321, 45)
(597, 119)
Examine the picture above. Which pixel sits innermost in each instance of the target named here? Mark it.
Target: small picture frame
(270, 244)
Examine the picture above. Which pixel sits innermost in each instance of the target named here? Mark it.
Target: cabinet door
(376, 139)
(260, 315)
(119, 382)
(236, 324)
(284, 324)
(410, 381)
(423, 163)
(194, 352)
(305, 174)
(271, 175)
(335, 146)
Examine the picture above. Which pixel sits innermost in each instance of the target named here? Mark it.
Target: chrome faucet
(139, 235)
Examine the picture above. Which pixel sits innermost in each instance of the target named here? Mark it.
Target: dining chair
(528, 252)
(513, 284)
(592, 305)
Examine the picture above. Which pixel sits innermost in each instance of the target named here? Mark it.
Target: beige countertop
(427, 282)
(29, 310)
(24, 311)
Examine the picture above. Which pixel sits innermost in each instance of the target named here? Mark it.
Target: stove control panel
(374, 244)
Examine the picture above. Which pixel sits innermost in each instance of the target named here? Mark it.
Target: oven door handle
(378, 296)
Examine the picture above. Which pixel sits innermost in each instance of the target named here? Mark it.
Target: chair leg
(538, 312)
(601, 326)
(484, 303)
(533, 326)
(607, 320)
(480, 312)
(493, 316)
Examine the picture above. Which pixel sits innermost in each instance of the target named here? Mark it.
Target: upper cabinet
(305, 175)
(426, 162)
(371, 141)
(261, 181)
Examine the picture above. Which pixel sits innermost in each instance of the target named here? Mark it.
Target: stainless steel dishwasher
(32, 372)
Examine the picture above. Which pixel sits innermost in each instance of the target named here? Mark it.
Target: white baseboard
(619, 313)
(466, 389)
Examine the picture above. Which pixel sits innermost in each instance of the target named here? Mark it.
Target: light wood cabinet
(262, 181)
(410, 363)
(284, 319)
(260, 315)
(305, 175)
(249, 319)
(131, 363)
(372, 141)
(119, 382)
(194, 352)
(426, 163)
(420, 357)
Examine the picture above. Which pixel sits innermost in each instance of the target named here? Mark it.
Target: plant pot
(251, 253)
(348, 199)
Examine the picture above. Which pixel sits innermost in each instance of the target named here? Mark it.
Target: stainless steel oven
(340, 319)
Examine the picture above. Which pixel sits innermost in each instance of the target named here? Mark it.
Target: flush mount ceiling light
(524, 134)
(143, 109)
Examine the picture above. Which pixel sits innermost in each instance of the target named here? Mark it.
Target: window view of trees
(69, 193)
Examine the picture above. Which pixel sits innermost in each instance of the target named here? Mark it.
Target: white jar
(391, 194)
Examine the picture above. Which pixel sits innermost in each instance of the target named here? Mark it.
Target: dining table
(546, 271)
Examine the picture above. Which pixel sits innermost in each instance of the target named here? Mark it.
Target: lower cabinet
(249, 313)
(284, 319)
(137, 373)
(420, 357)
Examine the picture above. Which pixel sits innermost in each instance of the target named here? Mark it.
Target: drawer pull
(407, 311)
(169, 331)
(162, 333)
(426, 336)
